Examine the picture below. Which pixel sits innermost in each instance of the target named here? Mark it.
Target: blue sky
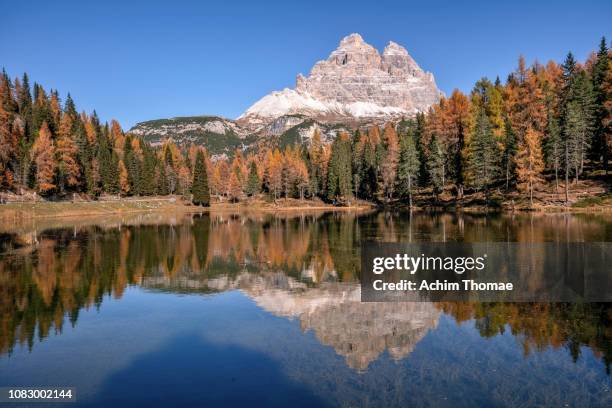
(135, 61)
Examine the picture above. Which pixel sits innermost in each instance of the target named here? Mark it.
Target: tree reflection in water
(303, 266)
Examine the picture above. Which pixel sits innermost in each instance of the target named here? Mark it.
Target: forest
(544, 129)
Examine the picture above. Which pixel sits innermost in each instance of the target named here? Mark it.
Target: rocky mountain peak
(355, 81)
(394, 48)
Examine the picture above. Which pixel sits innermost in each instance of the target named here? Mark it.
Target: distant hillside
(223, 136)
(217, 134)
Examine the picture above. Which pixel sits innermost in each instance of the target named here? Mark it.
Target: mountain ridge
(355, 86)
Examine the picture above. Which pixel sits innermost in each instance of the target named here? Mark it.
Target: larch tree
(301, 177)
(234, 188)
(274, 167)
(553, 147)
(529, 162)
(8, 146)
(69, 170)
(124, 182)
(43, 157)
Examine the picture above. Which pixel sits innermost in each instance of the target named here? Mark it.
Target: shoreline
(24, 211)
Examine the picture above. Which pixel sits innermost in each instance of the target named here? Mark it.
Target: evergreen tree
(339, 172)
(389, 161)
(419, 134)
(600, 71)
(315, 170)
(147, 179)
(567, 97)
(509, 153)
(483, 158)
(408, 167)
(369, 170)
(436, 165)
(199, 186)
(357, 161)
(162, 181)
(253, 182)
(132, 165)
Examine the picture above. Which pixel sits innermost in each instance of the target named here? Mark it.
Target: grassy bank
(173, 205)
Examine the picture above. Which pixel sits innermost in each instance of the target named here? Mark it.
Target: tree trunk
(556, 176)
(507, 175)
(409, 193)
(566, 175)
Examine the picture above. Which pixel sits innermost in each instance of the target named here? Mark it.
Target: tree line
(545, 121)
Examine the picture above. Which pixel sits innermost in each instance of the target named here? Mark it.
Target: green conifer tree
(253, 182)
(483, 155)
(199, 187)
(408, 167)
(435, 165)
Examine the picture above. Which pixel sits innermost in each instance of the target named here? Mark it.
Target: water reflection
(303, 267)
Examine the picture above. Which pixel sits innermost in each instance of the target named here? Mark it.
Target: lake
(264, 310)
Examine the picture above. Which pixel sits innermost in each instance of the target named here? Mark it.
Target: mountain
(355, 86)
(354, 83)
(223, 136)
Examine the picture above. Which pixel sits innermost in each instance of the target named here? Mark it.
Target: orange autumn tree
(44, 160)
(529, 162)
(234, 188)
(124, 183)
(67, 150)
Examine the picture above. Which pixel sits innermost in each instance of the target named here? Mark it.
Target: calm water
(264, 310)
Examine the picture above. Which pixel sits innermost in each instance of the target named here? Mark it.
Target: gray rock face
(354, 82)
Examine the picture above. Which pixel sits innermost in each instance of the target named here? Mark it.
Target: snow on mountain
(354, 82)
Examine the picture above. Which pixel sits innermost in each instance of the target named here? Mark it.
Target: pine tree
(567, 97)
(529, 162)
(408, 167)
(600, 72)
(132, 164)
(419, 134)
(509, 153)
(253, 182)
(147, 180)
(435, 165)
(339, 171)
(483, 155)
(390, 161)
(162, 181)
(199, 186)
(358, 145)
(315, 162)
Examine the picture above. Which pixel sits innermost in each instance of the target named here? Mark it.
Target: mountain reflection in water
(303, 267)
